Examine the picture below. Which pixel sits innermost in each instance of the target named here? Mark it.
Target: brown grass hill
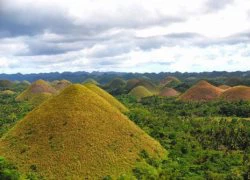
(76, 135)
(140, 92)
(36, 89)
(168, 92)
(90, 80)
(109, 98)
(60, 85)
(170, 81)
(224, 87)
(131, 83)
(202, 91)
(237, 93)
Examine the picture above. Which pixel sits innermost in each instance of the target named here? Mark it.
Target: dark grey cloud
(32, 22)
(29, 20)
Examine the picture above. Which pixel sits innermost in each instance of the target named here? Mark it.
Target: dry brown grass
(76, 135)
(168, 92)
(237, 93)
(202, 91)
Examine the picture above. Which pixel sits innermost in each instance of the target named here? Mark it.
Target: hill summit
(202, 91)
(76, 135)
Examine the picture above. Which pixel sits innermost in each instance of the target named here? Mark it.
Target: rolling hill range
(77, 135)
(202, 91)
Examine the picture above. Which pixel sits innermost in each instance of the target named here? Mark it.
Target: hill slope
(237, 93)
(113, 101)
(202, 91)
(76, 135)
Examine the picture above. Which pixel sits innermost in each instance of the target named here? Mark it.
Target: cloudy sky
(124, 35)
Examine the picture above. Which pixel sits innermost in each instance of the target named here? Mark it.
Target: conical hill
(35, 89)
(60, 85)
(140, 92)
(168, 92)
(76, 135)
(109, 98)
(202, 91)
(237, 93)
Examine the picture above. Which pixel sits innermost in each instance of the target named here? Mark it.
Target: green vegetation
(8, 171)
(205, 140)
(11, 111)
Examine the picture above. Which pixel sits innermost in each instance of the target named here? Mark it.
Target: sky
(125, 36)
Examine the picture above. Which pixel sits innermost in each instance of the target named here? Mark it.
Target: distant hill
(170, 80)
(202, 91)
(60, 85)
(237, 93)
(229, 78)
(131, 83)
(77, 135)
(168, 92)
(90, 80)
(37, 91)
(140, 92)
